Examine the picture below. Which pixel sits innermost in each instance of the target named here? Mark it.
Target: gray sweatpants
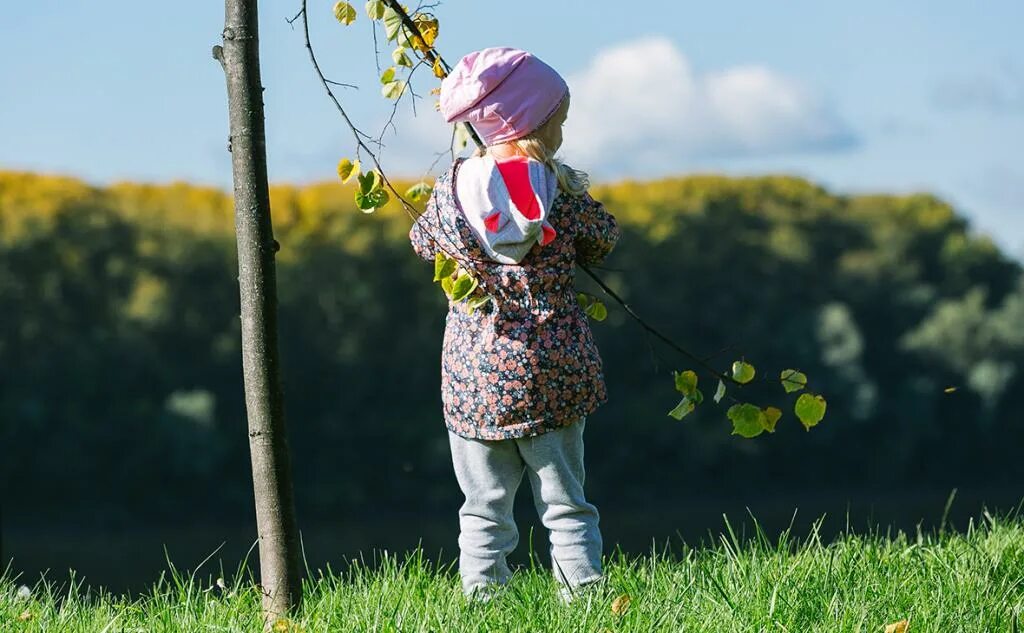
(489, 473)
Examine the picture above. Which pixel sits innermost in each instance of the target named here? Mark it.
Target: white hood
(505, 234)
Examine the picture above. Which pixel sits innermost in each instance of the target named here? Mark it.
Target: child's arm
(598, 232)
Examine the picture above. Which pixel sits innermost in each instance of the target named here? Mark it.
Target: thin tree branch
(653, 330)
(338, 83)
(361, 145)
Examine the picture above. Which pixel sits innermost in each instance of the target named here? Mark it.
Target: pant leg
(554, 464)
(488, 473)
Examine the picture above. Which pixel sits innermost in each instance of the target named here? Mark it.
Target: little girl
(519, 375)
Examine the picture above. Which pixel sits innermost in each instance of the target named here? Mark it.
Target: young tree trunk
(268, 446)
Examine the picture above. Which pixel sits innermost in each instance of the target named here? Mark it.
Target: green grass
(971, 581)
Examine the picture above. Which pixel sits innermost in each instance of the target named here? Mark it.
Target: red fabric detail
(548, 235)
(516, 174)
(491, 222)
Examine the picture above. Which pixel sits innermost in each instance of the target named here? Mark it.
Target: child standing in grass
(519, 375)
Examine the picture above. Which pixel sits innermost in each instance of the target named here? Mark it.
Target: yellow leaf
(285, 626)
(949, 390)
(439, 70)
(427, 28)
(344, 12)
(435, 91)
(25, 616)
(621, 604)
(898, 627)
(348, 169)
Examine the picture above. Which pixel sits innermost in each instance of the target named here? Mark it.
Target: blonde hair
(572, 181)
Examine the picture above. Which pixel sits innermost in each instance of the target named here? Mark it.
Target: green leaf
(719, 392)
(365, 181)
(347, 169)
(369, 181)
(464, 286)
(771, 417)
(475, 303)
(393, 90)
(446, 284)
(371, 195)
(444, 266)
(793, 380)
(597, 311)
(696, 396)
(742, 372)
(419, 191)
(344, 12)
(400, 58)
(392, 23)
(372, 200)
(592, 306)
(683, 409)
(375, 9)
(747, 420)
(809, 409)
(387, 76)
(687, 405)
(686, 381)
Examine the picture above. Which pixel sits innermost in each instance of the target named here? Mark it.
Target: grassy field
(971, 581)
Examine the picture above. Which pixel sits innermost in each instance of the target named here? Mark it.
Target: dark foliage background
(120, 393)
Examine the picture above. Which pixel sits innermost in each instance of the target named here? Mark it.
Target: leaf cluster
(749, 420)
(459, 284)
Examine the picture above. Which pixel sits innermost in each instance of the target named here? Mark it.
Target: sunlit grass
(971, 581)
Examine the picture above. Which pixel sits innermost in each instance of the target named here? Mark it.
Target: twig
(653, 330)
(394, 109)
(338, 83)
(430, 54)
(361, 145)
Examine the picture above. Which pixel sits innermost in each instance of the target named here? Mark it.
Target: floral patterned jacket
(525, 363)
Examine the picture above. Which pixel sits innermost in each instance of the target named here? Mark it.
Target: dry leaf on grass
(621, 604)
(284, 625)
(898, 627)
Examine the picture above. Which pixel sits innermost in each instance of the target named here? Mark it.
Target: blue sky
(868, 96)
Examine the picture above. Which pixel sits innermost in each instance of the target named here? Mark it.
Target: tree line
(120, 390)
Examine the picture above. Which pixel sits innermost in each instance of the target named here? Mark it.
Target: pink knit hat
(504, 93)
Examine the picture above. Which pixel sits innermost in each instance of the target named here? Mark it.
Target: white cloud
(641, 108)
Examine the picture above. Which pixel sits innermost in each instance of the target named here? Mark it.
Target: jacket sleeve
(597, 232)
(423, 232)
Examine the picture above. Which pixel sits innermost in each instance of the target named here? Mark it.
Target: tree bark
(268, 445)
